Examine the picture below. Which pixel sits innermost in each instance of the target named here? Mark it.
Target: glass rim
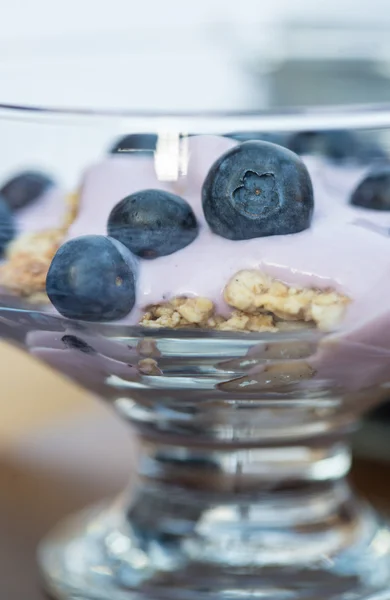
(302, 118)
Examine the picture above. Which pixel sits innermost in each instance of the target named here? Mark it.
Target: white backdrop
(153, 53)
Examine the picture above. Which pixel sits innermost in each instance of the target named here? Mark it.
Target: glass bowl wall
(240, 488)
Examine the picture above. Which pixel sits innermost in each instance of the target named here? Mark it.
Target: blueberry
(370, 151)
(75, 343)
(25, 188)
(257, 189)
(374, 191)
(92, 278)
(135, 144)
(336, 145)
(153, 223)
(7, 226)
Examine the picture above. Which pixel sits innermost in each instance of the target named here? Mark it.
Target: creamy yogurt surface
(345, 248)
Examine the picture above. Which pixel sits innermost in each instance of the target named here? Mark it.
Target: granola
(255, 292)
(29, 256)
(260, 303)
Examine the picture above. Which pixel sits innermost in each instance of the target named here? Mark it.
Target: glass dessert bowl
(226, 291)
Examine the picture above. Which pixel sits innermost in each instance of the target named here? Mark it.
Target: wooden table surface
(32, 500)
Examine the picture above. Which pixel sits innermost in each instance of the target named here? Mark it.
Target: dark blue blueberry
(257, 189)
(92, 278)
(153, 223)
(369, 151)
(25, 188)
(336, 145)
(75, 343)
(135, 144)
(7, 226)
(249, 136)
(374, 191)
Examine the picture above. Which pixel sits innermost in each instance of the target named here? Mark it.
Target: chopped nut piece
(239, 321)
(148, 366)
(196, 310)
(162, 315)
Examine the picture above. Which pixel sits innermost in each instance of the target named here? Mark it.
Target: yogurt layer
(345, 248)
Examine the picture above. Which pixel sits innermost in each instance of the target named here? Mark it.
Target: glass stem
(280, 503)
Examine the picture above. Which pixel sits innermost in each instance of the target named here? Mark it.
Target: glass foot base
(98, 556)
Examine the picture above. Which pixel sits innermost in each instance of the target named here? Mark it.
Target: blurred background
(232, 56)
(59, 447)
